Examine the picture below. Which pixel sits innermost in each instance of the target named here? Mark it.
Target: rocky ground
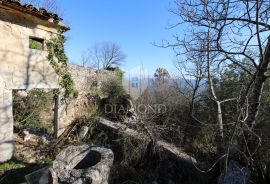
(28, 147)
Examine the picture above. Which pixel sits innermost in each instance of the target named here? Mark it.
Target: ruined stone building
(24, 31)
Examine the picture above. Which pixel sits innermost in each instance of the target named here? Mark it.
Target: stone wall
(85, 77)
(86, 80)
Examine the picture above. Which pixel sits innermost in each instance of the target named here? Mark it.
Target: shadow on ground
(14, 171)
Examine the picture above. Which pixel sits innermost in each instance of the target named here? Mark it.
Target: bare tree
(239, 29)
(202, 72)
(193, 79)
(107, 55)
(239, 35)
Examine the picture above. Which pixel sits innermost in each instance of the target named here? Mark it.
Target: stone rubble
(30, 154)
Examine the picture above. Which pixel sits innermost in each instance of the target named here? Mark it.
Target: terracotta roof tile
(30, 9)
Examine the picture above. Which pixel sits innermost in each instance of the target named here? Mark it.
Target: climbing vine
(58, 60)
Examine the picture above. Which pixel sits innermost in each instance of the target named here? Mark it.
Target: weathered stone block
(83, 164)
(76, 165)
(83, 132)
(41, 176)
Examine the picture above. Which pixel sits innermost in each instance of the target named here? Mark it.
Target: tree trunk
(254, 100)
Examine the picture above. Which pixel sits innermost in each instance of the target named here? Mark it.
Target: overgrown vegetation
(165, 109)
(58, 59)
(116, 101)
(136, 160)
(190, 118)
(34, 111)
(224, 58)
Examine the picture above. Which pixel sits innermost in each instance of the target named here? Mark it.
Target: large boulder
(236, 174)
(82, 164)
(76, 165)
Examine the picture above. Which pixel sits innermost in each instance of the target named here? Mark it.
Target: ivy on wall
(58, 60)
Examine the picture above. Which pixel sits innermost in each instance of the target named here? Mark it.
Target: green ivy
(58, 60)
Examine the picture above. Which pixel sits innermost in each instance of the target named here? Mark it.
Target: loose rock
(83, 132)
(236, 174)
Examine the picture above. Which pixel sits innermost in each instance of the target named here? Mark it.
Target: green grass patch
(9, 166)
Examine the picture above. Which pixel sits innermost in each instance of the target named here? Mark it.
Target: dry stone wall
(85, 77)
(85, 80)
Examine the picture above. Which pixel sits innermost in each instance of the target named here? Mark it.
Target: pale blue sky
(133, 24)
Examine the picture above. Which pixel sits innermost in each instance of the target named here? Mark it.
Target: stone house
(24, 30)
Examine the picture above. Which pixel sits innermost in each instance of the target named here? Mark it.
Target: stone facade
(20, 66)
